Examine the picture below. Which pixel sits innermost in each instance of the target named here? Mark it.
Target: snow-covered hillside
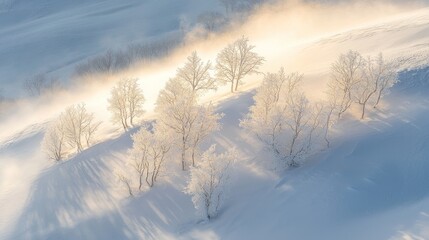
(371, 183)
(46, 36)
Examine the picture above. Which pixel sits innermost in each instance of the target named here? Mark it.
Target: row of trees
(282, 118)
(114, 61)
(184, 123)
(41, 84)
(355, 79)
(292, 127)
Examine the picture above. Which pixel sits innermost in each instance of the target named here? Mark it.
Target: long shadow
(69, 193)
(383, 171)
(231, 134)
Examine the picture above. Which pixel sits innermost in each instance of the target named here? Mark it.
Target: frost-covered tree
(346, 73)
(149, 153)
(177, 111)
(195, 75)
(209, 180)
(78, 125)
(54, 141)
(283, 119)
(126, 102)
(329, 108)
(206, 123)
(190, 123)
(377, 77)
(236, 61)
(74, 128)
(388, 76)
(367, 86)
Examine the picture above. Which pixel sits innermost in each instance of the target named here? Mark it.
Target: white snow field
(373, 183)
(48, 36)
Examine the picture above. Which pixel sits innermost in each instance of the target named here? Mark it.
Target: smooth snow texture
(48, 36)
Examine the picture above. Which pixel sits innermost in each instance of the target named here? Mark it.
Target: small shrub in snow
(208, 181)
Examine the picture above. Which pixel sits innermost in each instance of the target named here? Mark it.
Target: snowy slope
(370, 185)
(47, 36)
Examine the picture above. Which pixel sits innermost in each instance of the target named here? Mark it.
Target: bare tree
(78, 125)
(195, 75)
(368, 86)
(329, 107)
(345, 75)
(177, 111)
(104, 63)
(53, 141)
(378, 76)
(388, 76)
(40, 84)
(90, 131)
(149, 153)
(126, 102)
(211, 21)
(209, 181)
(303, 126)
(236, 61)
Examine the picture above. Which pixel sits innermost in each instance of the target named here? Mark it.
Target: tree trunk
(183, 154)
(232, 86)
(124, 125)
(236, 85)
(328, 121)
(363, 111)
(193, 157)
(129, 189)
(378, 99)
(140, 181)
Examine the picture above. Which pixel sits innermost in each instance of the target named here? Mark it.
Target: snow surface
(48, 36)
(372, 184)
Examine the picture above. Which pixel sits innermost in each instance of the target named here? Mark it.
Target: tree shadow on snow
(70, 200)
